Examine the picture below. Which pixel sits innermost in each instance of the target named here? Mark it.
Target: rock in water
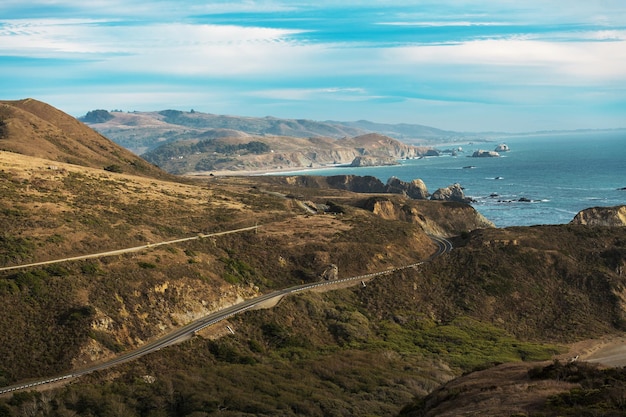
(453, 192)
(485, 154)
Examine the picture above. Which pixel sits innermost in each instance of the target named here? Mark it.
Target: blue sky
(453, 64)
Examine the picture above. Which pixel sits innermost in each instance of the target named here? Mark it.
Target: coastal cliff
(239, 153)
(602, 216)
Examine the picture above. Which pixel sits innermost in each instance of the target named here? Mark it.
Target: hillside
(144, 131)
(517, 295)
(37, 129)
(185, 142)
(232, 153)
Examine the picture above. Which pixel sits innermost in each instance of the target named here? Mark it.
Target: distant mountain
(410, 133)
(143, 131)
(184, 142)
(33, 128)
(227, 150)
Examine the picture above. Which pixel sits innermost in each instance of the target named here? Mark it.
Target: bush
(114, 168)
(4, 129)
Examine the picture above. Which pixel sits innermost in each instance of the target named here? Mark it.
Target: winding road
(190, 329)
(127, 250)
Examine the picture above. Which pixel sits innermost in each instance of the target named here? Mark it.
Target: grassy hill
(33, 128)
(502, 296)
(183, 142)
(144, 131)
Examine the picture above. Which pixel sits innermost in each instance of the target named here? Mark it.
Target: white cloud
(93, 36)
(537, 61)
(303, 94)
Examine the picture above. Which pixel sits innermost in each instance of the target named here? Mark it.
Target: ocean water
(560, 174)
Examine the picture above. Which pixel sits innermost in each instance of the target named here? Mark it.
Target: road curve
(187, 331)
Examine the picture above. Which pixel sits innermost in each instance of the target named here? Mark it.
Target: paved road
(127, 250)
(613, 354)
(188, 331)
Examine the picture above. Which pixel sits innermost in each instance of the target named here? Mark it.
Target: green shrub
(114, 168)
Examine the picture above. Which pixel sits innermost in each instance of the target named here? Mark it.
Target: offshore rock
(453, 192)
(485, 154)
(503, 147)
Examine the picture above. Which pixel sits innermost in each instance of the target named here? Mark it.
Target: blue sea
(555, 175)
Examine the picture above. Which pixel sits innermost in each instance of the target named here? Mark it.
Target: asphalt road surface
(186, 332)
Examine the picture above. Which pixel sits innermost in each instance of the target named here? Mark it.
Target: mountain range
(510, 322)
(188, 142)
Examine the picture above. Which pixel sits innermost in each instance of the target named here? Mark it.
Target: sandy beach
(266, 171)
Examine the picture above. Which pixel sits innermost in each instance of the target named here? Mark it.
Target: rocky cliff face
(435, 218)
(602, 216)
(373, 161)
(453, 192)
(415, 189)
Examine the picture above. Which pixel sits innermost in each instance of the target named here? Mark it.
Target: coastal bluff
(415, 189)
(602, 216)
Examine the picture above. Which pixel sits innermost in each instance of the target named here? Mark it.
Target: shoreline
(260, 172)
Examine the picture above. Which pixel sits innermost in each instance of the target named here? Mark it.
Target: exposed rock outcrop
(373, 161)
(602, 216)
(415, 189)
(330, 273)
(453, 192)
(431, 216)
(485, 154)
(356, 183)
(503, 147)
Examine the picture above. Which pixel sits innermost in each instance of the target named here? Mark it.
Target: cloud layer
(500, 66)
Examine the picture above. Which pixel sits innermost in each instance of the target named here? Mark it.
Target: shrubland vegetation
(4, 116)
(214, 153)
(365, 350)
(502, 295)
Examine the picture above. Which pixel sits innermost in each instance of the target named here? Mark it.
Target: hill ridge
(35, 128)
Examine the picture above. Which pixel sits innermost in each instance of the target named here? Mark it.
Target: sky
(491, 65)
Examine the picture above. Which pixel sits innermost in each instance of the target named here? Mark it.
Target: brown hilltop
(34, 128)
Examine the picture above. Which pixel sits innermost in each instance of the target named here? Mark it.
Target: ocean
(542, 179)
